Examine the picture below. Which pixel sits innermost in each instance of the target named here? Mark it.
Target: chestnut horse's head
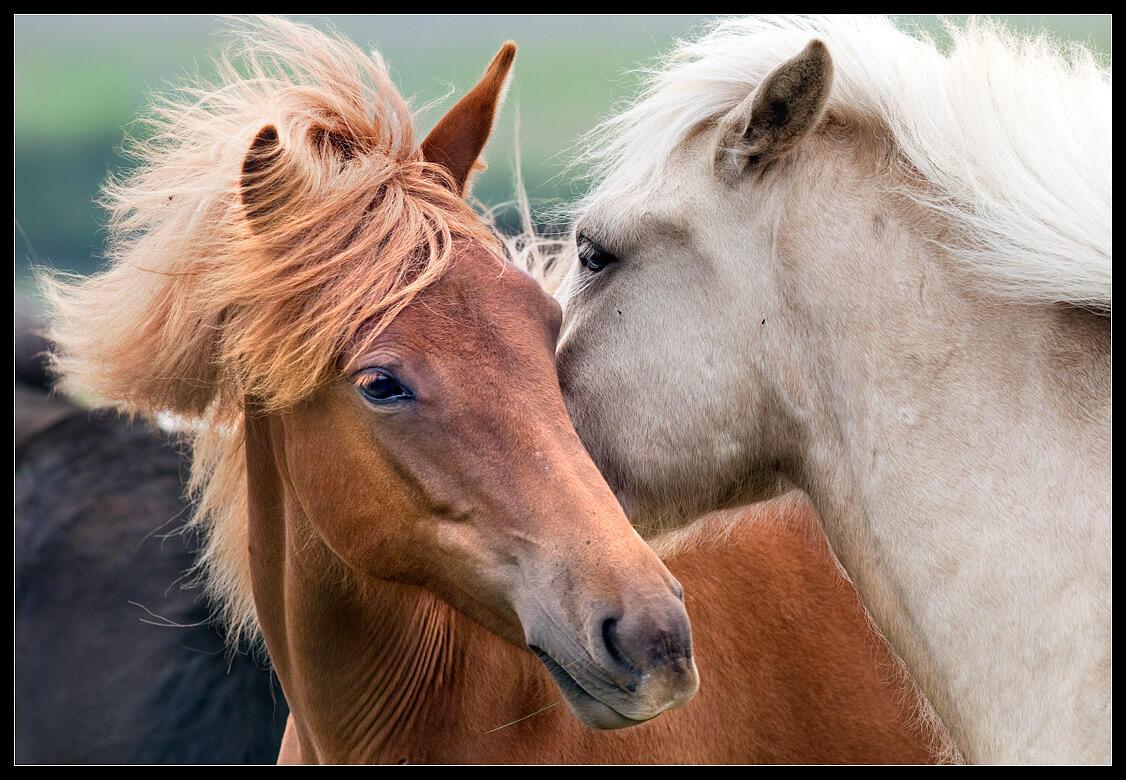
(376, 385)
(441, 455)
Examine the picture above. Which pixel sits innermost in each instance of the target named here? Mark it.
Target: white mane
(1013, 133)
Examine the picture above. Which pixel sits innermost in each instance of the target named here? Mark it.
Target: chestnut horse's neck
(372, 670)
(382, 672)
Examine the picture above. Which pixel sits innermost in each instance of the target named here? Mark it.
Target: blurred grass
(79, 80)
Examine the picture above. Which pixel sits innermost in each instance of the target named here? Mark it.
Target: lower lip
(571, 688)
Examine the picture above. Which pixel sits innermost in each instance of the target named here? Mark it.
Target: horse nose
(647, 650)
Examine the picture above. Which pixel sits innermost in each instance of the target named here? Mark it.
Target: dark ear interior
(778, 114)
(260, 184)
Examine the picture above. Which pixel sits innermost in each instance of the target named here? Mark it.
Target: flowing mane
(1012, 134)
(202, 306)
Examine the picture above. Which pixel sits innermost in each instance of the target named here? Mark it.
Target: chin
(588, 709)
(599, 716)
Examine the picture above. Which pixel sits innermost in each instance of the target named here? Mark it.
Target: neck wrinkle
(391, 690)
(369, 664)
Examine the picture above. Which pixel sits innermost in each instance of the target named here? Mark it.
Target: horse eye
(380, 386)
(593, 257)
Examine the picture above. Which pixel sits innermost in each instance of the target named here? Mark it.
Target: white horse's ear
(777, 114)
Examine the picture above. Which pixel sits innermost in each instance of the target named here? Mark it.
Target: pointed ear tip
(262, 149)
(817, 48)
(267, 136)
(504, 57)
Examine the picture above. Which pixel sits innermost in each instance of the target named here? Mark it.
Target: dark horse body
(96, 502)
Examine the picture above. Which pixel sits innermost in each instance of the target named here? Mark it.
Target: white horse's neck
(960, 461)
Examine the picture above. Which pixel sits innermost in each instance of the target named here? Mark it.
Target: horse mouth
(586, 706)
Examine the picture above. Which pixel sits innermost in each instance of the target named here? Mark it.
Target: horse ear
(261, 184)
(777, 114)
(457, 140)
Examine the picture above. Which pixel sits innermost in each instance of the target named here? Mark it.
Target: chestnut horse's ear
(777, 114)
(457, 140)
(261, 181)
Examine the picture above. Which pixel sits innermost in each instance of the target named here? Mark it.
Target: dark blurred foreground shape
(97, 504)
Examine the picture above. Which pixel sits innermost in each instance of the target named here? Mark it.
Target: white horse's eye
(593, 257)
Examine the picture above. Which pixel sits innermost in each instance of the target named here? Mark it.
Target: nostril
(613, 648)
(610, 639)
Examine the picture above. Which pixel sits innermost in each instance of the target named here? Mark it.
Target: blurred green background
(79, 80)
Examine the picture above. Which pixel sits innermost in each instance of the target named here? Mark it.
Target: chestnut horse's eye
(380, 386)
(593, 257)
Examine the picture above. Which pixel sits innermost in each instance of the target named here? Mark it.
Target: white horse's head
(798, 214)
(671, 350)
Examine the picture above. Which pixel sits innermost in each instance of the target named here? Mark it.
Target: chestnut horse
(373, 389)
(383, 463)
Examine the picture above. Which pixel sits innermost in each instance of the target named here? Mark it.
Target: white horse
(823, 252)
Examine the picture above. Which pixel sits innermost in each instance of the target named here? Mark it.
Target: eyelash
(593, 257)
(368, 380)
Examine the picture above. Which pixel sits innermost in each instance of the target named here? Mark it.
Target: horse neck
(959, 457)
(373, 671)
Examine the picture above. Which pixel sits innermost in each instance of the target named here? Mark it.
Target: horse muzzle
(630, 667)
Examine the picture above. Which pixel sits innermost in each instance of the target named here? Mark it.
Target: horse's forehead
(480, 296)
(481, 281)
(666, 197)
